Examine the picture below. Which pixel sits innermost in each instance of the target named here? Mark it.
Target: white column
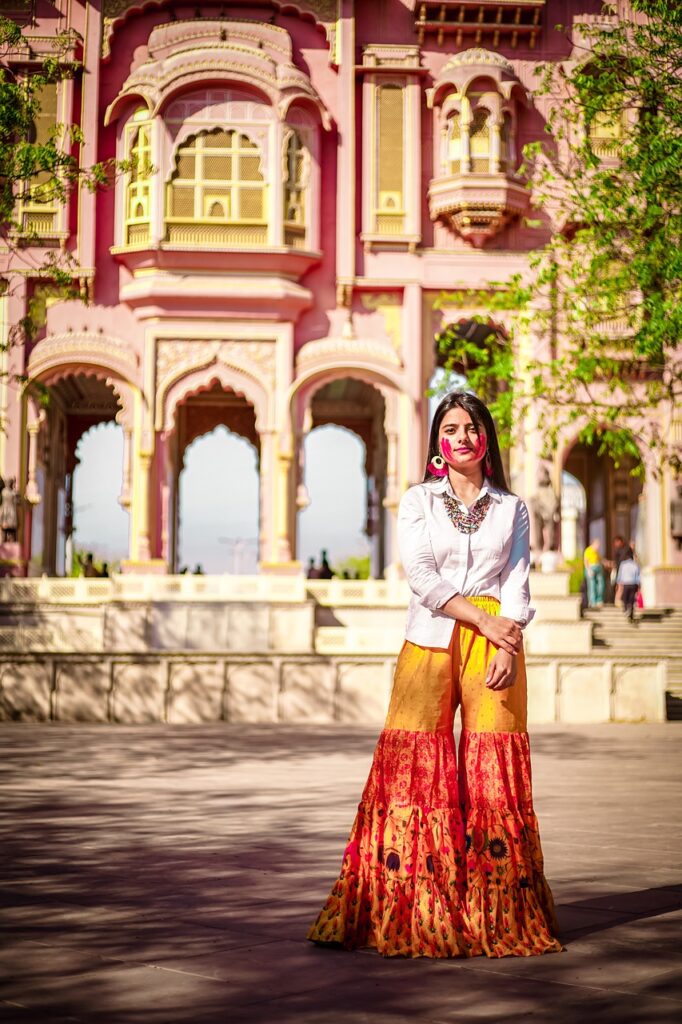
(276, 177)
(495, 148)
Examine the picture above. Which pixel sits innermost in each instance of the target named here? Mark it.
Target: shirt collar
(443, 486)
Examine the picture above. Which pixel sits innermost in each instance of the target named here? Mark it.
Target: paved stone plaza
(167, 875)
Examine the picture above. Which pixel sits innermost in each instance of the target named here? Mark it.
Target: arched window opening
(217, 192)
(295, 175)
(479, 135)
(100, 525)
(334, 453)
(220, 535)
(138, 189)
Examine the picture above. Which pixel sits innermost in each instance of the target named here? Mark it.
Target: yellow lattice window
(479, 141)
(217, 194)
(389, 209)
(38, 207)
(138, 188)
(295, 175)
(606, 129)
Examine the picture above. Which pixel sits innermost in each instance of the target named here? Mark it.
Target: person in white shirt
(628, 579)
(444, 861)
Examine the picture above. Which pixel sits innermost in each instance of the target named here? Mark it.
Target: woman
(439, 864)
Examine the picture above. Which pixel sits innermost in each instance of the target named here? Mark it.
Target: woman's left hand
(501, 671)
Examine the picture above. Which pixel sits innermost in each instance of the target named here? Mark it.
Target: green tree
(604, 295)
(42, 168)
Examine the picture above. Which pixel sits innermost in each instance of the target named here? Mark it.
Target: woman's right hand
(502, 632)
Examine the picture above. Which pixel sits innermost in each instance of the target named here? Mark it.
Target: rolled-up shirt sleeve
(417, 555)
(514, 588)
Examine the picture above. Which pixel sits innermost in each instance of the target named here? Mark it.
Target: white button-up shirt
(440, 561)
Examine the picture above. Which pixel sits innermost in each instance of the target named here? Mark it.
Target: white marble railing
(258, 588)
(266, 589)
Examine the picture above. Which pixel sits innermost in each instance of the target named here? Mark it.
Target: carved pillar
(346, 164)
(390, 502)
(277, 173)
(32, 493)
(495, 148)
(124, 496)
(465, 122)
(267, 498)
(143, 538)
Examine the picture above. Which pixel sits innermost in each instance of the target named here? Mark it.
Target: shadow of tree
(168, 874)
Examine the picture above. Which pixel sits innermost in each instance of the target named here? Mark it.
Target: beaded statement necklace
(467, 521)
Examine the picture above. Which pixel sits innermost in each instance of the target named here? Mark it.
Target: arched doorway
(73, 404)
(218, 504)
(211, 495)
(612, 497)
(354, 478)
(455, 366)
(100, 525)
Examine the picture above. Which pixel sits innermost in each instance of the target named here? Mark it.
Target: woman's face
(461, 444)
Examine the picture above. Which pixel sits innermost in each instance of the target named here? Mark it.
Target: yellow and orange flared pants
(444, 859)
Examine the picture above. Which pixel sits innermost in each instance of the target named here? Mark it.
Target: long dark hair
(482, 420)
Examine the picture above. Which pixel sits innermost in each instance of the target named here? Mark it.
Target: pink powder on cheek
(446, 448)
(481, 445)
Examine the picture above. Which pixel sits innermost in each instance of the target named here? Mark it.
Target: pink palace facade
(308, 178)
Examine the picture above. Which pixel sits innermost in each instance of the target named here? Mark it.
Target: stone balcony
(477, 206)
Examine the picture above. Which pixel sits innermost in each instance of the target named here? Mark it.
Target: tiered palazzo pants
(445, 861)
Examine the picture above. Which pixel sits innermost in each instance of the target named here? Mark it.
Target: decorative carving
(185, 52)
(175, 359)
(378, 56)
(477, 55)
(327, 349)
(324, 11)
(477, 209)
(83, 348)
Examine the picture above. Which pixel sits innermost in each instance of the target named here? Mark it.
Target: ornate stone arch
(183, 54)
(104, 357)
(176, 387)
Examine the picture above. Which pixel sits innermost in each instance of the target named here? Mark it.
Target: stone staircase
(654, 629)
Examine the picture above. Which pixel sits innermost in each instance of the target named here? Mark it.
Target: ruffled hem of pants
(508, 903)
(421, 878)
(401, 886)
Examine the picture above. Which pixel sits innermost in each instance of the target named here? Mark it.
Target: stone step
(554, 608)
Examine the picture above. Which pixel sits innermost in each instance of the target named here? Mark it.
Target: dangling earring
(437, 466)
(488, 465)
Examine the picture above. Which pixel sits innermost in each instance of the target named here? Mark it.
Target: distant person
(9, 518)
(198, 571)
(326, 571)
(105, 570)
(594, 574)
(89, 569)
(619, 549)
(628, 579)
(312, 572)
